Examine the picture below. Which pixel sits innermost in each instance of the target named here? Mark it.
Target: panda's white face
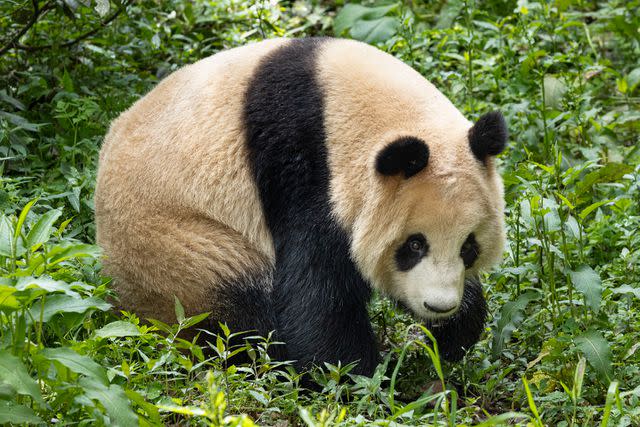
(445, 240)
(420, 237)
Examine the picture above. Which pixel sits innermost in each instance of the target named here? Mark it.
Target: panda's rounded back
(180, 149)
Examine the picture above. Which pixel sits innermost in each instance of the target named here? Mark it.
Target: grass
(561, 346)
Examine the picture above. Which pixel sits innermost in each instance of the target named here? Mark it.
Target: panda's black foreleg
(245, 305)
(460, 332)
(321, 307)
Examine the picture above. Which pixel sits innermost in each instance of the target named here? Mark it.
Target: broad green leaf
(149, 408)
(113, 399)
(41, 230)
(351, 13)
(588, 282)
(6, 236)
(67, 304)
(633, 79)
(13, 414)
(511, 315)
(8, 301)
(554, 90)
(47, 284)
(7, 391)
(73, 251)
(119, 328)
(597, 352)
(375, 31)
(449, 12)
(626, 289)
(14, 373)
(77, 363)
(611, 172)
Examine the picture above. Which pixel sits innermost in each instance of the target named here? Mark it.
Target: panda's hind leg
(208, 266)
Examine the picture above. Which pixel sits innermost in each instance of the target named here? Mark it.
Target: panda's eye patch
(409, 254)
(470, 251)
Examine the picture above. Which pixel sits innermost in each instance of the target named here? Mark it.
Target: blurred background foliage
(561, 345)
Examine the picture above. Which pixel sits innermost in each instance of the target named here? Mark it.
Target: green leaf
(597, 352)
(81, 250)
(12, 413)
(119, 328)
(626, 289)
(588, 282)
(6, 236)
(511, 316)
(554, 90)
(11, 100)
(179, 310)
(586, 211)
(8, 302)
(633, 79)
(611, 172)
(67, 304)
(194, 320)
(375, 31)
(45, 283)
(41, 231)
(351, 13)
(449, 12)
(113, 399)
(22, 218)
(14, 373)
(77, 363)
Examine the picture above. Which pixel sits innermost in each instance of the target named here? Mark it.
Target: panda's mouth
(435, 320)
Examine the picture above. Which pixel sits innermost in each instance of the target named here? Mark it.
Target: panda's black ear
(488, 136)
(406, 155)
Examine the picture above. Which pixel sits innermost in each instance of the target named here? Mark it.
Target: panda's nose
(440, 308)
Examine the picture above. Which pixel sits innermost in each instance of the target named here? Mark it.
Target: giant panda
(275, 185)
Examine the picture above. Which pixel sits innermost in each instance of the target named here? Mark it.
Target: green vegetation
(561, 347)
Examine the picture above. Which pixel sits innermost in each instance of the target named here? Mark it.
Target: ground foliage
(561, 347)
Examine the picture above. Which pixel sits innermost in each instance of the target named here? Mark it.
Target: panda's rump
(198, 260)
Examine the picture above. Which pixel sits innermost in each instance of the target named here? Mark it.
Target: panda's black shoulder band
(407, 155)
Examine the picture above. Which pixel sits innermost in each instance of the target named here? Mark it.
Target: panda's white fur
(180, 199)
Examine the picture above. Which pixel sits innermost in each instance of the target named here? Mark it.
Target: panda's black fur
(319, 296)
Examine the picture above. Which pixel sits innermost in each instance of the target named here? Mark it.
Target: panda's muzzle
(441, 309)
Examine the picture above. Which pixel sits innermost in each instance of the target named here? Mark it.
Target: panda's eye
(409, 254)
(469, 251)
(416, 245)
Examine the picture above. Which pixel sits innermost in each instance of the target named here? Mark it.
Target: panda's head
(435, 215)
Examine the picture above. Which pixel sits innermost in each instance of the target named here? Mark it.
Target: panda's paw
(457, 334)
